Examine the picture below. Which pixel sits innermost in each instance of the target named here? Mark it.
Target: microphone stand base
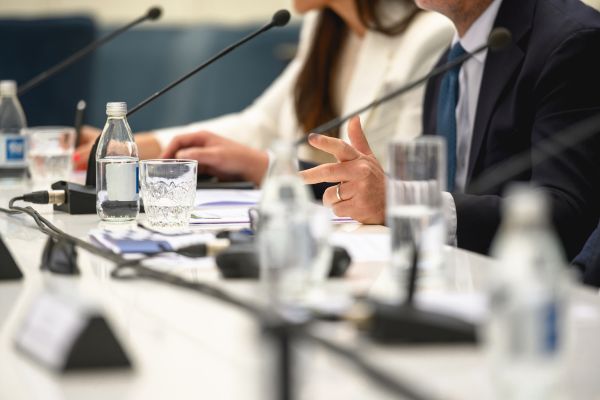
(79, 199)
(8, 267)
(405, 324)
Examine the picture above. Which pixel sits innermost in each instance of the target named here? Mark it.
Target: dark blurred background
(143, 60)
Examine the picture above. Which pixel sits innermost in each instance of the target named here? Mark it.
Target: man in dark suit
(495, 106)
(588, 260)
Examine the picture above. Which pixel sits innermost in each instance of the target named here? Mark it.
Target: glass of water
(417, 177)
(50, 153)
(168, 189)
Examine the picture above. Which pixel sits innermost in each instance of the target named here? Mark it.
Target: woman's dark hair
(313, 93)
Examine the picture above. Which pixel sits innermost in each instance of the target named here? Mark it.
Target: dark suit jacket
(547, 80)
(588, 261)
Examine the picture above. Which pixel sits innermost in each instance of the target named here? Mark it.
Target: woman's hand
(89, 134)
(361, 177)
(147, 144)
(220, 157)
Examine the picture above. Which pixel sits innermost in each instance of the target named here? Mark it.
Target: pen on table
(79, 113)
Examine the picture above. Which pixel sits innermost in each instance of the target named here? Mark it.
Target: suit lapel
(499, 68)
(516, 15)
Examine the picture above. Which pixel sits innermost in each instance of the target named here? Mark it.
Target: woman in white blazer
(350, 52)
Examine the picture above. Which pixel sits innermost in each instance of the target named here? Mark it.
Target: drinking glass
(417, 177)
(168, 189)
(50, 153)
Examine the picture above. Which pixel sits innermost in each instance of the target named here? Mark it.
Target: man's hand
(362, 187)
(220, 157)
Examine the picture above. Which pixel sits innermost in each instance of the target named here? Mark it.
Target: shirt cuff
(450, 217)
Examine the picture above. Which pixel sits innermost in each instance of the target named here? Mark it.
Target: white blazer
(383, 63)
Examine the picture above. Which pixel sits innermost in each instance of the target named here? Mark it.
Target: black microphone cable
(133, 269)
(48, 228)
(393, 384)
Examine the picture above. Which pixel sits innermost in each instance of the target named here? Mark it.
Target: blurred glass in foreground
(50, 153)
(525, 331)
(414, 204)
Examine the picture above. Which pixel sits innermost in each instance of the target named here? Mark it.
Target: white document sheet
(226, 197)
(364, 248)
(224, 207)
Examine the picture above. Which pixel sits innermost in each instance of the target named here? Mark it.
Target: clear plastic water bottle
(286, 245)
(525, 332)
(12, 142)
(117, 188)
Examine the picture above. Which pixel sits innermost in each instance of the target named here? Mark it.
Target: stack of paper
(224, 207)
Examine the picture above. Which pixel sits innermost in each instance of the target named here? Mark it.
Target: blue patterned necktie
(446, 111)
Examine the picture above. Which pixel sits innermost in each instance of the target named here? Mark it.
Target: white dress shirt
(470, 76)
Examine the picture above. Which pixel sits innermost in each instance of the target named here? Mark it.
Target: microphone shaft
(79, 114)
(337, 122)
(199, 68)
(37, 80)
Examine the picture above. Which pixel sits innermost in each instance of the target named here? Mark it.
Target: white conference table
(187, 346)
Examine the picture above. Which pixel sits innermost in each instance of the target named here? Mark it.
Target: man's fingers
(341, 150)
(329, 196)
(340, 172)
(347, 191)
(357, 136)
(344, 208)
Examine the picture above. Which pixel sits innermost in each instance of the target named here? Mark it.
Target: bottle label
(550, 320)
(121, 181)
(12, 150)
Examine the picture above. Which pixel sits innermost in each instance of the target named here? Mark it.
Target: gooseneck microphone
(280, 18)
(81, 199)
(153, 14)
(498, 39)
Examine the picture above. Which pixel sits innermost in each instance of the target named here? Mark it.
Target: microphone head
(281, 18)
(154, 13)
(499, 38)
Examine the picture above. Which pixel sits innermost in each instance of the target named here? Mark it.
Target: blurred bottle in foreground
(293, 247)
(13, 165)
(525, 333)
(117, 198)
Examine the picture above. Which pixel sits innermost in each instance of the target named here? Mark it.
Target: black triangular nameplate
(8, 266)
(96, 347)
(60, 257)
